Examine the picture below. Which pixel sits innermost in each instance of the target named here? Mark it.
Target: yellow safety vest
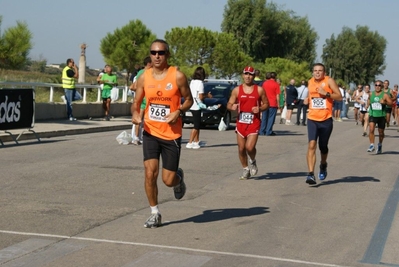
(67, 82)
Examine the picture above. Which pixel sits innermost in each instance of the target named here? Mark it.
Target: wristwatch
(181, 112)
(328, 95)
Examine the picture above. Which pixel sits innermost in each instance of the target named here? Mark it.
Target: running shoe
(253, 169)
(379, 149)
(371, 148)
(387, 124)
(195, 145)
(180, 189)
(154, 221)
(310, 179)
(364, 134)
(323, 172)
(189, 145)
(245, 174)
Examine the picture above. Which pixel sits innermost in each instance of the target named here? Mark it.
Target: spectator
(258, 80)
(302, 109)
(197, 91)
(337, 108)
(69, 74)
(291, 97)
(345, 103)
(272, 90)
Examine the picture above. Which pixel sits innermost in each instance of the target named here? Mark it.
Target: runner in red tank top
(249, 99)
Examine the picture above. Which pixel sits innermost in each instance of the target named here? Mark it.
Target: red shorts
(244, 129)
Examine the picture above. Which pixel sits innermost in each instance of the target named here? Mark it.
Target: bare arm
(387, 99)
(265, 102)
(231, 105)
(185, 92)
(75, 69)
(138, 98)
(336, 93)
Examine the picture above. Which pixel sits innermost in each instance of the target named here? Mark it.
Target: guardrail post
(124, 94)
(98, 95)
(84, 95)
(51, 100)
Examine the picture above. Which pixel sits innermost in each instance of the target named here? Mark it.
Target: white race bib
(319, 103)
(158, 112)
(376, 106)
(246, 117)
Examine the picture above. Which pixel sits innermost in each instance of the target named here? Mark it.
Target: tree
(15, 45)
(127, 46)
(263, 30)
(228, 57)
(191, 46)
(287, 69)
(355, 56)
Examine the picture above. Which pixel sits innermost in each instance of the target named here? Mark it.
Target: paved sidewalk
(53, 128)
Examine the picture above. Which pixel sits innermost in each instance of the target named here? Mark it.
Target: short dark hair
(273, 75)
(162, 42)
(199, 74)
(69, 60)
(268, 75)
(319, 64)
(146, 60)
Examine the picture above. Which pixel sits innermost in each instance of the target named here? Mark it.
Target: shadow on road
(348, 179)
(280, 175)
(222, 214)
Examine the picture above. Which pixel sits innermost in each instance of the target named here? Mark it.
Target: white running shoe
(195, 145)
(189, 145)
(253, 168)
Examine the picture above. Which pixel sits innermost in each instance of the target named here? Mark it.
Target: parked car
(216, 106)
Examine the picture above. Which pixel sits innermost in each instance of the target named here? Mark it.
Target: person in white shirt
(345, 103)
(197, 91)
(301, 107)
(338, 105)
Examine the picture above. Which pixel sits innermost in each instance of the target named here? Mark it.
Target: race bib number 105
(158, 112)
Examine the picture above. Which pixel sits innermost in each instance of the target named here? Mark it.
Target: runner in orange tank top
(322, 91)
(163, 86)
(251, 101)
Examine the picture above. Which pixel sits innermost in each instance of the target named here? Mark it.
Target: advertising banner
(17, 109)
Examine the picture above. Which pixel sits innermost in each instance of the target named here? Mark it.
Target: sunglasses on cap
(160, 52)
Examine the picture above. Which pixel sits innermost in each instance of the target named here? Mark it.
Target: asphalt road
(79, 201)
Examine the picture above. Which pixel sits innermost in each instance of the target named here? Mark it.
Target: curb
(49, 134)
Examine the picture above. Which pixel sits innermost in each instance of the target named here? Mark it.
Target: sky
(60, 27)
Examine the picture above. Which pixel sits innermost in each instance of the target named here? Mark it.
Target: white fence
(51, 86)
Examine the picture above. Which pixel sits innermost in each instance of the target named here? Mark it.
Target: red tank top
(245, 104)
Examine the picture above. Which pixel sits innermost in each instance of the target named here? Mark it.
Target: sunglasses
(160, 52)
(248, 73)
(377, 84)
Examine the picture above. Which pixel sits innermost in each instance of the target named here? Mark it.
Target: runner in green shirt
(377, 115)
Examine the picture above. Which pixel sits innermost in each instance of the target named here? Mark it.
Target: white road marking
(174, 248)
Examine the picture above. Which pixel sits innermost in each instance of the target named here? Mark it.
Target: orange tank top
(320, 107)
(163, 97)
